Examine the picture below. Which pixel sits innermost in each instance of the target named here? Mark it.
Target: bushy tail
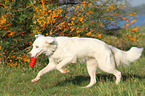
(134, 53)
(125, 57)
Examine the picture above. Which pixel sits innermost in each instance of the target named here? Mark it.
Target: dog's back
(80, 46)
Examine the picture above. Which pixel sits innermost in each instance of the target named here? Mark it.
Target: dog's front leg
(48, 68)
(63, 63)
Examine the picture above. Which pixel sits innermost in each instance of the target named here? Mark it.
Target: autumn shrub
(22, 19)
(87, 18)
(15, 31)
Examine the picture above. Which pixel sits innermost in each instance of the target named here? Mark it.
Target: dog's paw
(35, 80)
(65, 70)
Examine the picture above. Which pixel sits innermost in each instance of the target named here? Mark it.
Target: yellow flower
(72, 23)
(5, 7)
(49, 11)
(133, 21)
(2, 21)
(101, 23)
(91, 11)
(72, 29)
(84, 2)
(72, 18)
(123, 18)
(135, 29)
(37, 32)
(99, 35)
(127, 21)
(38, 21)
(132, 39)
(111, 7)
(50, 32)
(89, 4)
(81, 19)
(88, 13)
(76, 8)
(11, 33)
(79, 31)
(116, 13)
(131, 14)
(107, 9)
(46, 34)
(127, 25)
(89, 33)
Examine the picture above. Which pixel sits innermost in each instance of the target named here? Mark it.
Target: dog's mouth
(38, 54)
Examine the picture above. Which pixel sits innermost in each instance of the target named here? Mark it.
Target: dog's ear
(50, 40)
(36, 36)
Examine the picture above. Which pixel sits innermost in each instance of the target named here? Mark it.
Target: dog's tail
(125, 57)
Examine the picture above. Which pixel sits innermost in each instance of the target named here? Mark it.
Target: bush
(86, 19)
(22, 19)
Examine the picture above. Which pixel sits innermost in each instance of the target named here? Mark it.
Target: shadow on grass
(79, 80)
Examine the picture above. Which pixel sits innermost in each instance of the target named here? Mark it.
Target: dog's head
(43, 44)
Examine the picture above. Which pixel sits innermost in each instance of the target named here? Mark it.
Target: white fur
(65, 50)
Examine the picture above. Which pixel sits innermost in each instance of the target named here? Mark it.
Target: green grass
(17, 82)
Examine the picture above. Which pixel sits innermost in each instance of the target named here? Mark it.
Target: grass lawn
(17, 81)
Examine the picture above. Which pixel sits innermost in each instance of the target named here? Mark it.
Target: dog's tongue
(32, 62)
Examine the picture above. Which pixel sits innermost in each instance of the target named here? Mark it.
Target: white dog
(65, 50)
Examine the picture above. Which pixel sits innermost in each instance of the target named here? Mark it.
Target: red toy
(32, 62)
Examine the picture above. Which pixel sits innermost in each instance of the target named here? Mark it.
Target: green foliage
(22, 19)
(87, 18)
(15, 30)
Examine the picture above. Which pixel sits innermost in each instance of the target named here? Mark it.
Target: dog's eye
(37, 46)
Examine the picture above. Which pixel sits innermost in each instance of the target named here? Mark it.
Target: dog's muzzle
(30, 54)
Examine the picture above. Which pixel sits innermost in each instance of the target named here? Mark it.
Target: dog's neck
(52, 49)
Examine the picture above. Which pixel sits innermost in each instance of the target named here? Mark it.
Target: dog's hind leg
(118, 75)
(91, 67)
(48, 68)
(107, 64)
